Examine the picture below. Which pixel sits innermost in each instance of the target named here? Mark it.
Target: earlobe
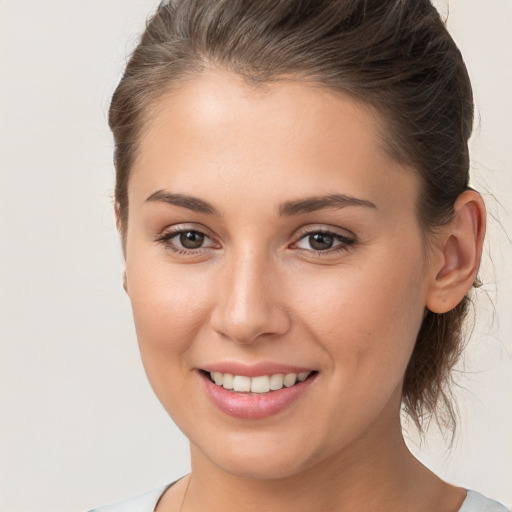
(460, 250)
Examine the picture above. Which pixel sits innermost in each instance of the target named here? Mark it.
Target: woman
(300, 240)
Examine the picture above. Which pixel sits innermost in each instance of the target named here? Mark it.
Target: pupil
(321, 241)
(191, 239)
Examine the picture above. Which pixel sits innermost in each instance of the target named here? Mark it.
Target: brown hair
(395, 55)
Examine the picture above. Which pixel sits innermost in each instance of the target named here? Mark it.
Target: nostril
(251, 326)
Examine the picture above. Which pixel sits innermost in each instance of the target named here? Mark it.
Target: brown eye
(320, 241)
(191, 239)
(327, 242)
(187, 242)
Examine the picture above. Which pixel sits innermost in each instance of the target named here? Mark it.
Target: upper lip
(254, 370)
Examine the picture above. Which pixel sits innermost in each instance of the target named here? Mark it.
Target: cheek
(169, 307)
(367, 319)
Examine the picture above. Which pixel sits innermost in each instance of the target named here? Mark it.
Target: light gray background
(78, 423)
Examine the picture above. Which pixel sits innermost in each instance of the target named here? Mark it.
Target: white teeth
(303, 376)
(276, 381)
(241, 383)
(260, 384)
(218, 378)
(227, 382)
(290, 379)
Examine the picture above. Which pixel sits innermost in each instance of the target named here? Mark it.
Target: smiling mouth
(261, 384)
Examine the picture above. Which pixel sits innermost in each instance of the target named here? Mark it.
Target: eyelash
(345, 242)
(166, 241)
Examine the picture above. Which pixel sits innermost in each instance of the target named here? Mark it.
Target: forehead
(217, 129)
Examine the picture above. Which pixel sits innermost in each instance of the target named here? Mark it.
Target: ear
(125, 281)
(458, 249)
(117, 215)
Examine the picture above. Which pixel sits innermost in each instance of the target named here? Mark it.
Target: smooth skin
(221, 267)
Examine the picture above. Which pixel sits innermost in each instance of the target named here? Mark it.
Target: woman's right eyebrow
(192, 203)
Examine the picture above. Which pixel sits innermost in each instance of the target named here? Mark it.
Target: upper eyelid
(170, 232)
(347, 239)
(180, 228)
(322, 228)
(166, 239)
(342, 239)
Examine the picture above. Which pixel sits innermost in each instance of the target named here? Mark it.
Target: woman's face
(269, 234)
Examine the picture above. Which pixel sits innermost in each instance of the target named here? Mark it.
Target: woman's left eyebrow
(312, 204)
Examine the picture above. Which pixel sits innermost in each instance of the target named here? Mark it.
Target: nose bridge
(248, 304)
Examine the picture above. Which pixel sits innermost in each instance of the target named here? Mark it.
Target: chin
(259, 456)
(254, 466)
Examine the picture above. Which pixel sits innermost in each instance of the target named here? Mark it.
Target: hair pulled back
(394, 55)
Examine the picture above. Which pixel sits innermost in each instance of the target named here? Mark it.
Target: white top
(474, 502)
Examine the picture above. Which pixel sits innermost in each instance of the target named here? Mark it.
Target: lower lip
(252, 406)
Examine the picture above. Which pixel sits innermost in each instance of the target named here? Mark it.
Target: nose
(249, 304)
